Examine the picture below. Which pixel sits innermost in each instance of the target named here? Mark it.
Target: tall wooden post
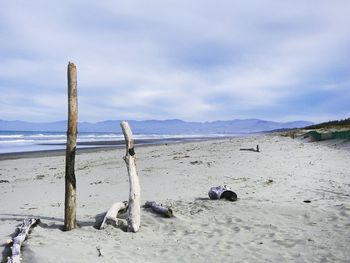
(134, 210)
(70, 193)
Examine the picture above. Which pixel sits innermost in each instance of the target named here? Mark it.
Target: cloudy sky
(196, 60)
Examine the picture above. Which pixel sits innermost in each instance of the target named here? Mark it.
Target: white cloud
(180, 59)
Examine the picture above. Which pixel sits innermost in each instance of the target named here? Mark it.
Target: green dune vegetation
(337, 129)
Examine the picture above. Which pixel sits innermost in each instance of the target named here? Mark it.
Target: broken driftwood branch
(22, 232)
(134, 209)
(112, 213)
(159, 209)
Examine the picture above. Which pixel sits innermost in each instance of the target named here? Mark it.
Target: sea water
(27, 141)
(31, 141)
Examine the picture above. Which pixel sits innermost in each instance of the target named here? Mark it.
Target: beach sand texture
(270, 222)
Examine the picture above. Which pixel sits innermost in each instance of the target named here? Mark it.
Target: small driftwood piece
(134, 209)
(251, 149)
(22, 232)
(112, 213)
(159, 209)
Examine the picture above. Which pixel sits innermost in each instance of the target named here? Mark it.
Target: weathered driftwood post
(134, 209)
(70, 193)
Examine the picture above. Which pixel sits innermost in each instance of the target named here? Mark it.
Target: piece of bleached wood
(159, 209)
(113, 212)
(134, 209)
(22, 232)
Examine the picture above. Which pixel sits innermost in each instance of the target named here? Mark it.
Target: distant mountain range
(159, 126)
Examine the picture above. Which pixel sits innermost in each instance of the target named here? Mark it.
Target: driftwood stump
(70, 182)
(134, 209)
(22, 232)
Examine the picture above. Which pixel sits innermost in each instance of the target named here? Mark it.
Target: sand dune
(270, 222)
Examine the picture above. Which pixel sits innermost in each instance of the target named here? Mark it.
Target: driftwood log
(22, 232)
(134, 209)
(159, 209)
(70, 182)
(251, 149)
(112, 213)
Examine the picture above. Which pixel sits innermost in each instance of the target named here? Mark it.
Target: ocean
(33, 141)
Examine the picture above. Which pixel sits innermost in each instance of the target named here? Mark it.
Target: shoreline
(105, 146)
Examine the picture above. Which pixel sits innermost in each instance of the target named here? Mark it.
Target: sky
(195, 60)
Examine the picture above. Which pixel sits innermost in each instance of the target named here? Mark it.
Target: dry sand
(270, 222)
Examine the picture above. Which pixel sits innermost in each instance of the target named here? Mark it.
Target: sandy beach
(293, 203)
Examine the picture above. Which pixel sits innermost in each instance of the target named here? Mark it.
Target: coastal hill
(174, 126)
(337, 129)
(336, 124)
